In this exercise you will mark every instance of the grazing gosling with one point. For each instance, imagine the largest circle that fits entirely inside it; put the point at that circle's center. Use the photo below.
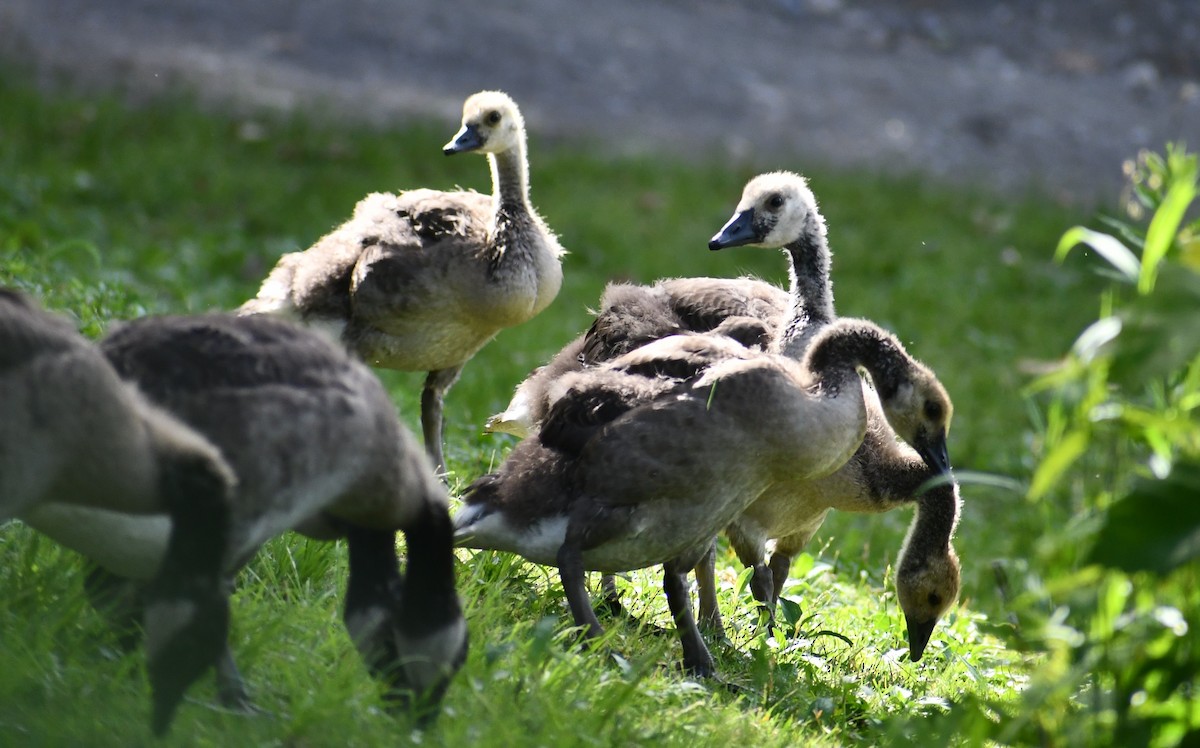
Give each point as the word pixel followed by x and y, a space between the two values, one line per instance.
pixel 316 446
pixel 422 279
pixel 882 474
pixel 778 210
pixel 654 481
pixel 73 433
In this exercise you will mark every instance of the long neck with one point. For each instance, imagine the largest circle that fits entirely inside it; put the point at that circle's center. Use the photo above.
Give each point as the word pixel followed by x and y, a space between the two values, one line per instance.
pixel 510 179
pixel 374 567
pixel 429 593
pixel 513 215
pixel 811 290
pixel 197 499
pixel 933 526
pixel 894 473
pixel 835 357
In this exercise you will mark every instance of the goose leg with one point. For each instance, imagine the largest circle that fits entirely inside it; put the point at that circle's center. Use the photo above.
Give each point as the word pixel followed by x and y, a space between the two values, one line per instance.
pixel 781 564
pixel 570 569
pixel 119 601
pixel 696 657
pixel 762 587
pixel 706 581
pixel 589 525
pixel 231 689
pixel 610 603
pixel 180 656
pixel 369 606
pixel 375 618
pixel 436 385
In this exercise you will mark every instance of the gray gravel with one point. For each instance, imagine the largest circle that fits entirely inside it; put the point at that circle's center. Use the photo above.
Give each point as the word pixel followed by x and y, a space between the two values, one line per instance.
pixel 1016 94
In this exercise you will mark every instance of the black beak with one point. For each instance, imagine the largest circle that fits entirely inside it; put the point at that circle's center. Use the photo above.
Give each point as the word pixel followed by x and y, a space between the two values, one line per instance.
pixel 738 232
pixel 933 451
pixel 467 139
pixel 918 638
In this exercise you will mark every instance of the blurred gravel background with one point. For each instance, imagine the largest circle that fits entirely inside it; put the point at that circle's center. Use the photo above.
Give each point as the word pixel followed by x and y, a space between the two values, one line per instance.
pixel 1013 94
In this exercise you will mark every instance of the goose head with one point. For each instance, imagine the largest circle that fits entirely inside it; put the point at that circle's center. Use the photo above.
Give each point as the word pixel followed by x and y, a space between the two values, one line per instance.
pixel 919 411
pixel 408 628
pixel 427 663
pixel 926 588
pixel 776 210
pixel 491 123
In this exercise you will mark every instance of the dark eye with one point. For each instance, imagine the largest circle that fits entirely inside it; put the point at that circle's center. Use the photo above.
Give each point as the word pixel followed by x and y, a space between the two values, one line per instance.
pixel 933 411
pixel 935 599
pixel 775 202
pixel 493 118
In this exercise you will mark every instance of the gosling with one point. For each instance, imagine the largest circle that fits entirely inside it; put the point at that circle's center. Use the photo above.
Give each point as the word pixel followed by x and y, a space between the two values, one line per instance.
pixel 74 435
pixel 654 481
pixel 423 279
pixel 316 446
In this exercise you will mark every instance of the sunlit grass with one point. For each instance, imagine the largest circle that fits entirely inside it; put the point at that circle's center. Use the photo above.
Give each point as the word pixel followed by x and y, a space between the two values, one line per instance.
pixel 108 213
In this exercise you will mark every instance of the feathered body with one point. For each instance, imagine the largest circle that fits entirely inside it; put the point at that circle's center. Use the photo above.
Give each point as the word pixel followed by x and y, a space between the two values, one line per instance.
pixel 422 279
pixel 316 445
pixel 643 460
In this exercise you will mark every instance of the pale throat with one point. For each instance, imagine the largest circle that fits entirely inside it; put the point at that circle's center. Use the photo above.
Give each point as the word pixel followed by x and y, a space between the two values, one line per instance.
pixel 510 177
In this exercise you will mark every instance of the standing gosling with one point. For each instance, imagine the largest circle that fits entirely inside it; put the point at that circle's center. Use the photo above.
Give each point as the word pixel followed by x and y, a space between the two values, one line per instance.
pixel 422 279
pixel 316 445
pixel 654 483
pixel 785 215
pixel 72 431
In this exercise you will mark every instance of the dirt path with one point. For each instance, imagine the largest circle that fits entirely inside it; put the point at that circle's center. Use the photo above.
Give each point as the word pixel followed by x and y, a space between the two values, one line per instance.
pixel 1049 94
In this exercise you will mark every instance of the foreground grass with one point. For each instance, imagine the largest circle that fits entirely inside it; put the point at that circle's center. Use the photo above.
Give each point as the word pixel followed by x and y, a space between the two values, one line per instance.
pixel 108 213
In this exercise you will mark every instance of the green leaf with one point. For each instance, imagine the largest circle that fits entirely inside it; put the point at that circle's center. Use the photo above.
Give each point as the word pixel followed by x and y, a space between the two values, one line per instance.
pixel 1117 254
pixel 973 478
pixel 1092 341
pixel 1159 334
pixel 1124 232
pixel 1061 457
pixel 1164 227
pixel 743 581
pixel 791 611
pixel 1156 526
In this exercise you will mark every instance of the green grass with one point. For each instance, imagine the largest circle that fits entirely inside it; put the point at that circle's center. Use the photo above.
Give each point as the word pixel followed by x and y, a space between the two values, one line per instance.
pixel 109 212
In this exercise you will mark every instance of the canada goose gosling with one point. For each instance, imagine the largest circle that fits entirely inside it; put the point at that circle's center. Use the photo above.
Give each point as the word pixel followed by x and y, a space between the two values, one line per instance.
pixel 764 217
pixel 493 125
pixel 779 210
pixel 421 280
pixel 73 433
pixel 317 447
pixel 656 480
